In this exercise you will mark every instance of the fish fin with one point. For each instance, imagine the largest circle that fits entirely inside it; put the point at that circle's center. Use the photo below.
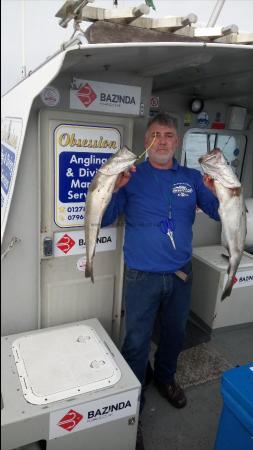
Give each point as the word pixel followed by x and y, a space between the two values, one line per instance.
pixel 235 191
pixel 89 271
pixel 229 270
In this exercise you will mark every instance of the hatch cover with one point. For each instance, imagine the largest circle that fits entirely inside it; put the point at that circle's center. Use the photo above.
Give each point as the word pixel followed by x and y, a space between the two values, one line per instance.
pixel 63 362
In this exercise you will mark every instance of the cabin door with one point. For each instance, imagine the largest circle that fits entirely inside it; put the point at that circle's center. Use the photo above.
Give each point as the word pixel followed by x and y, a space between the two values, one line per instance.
pixel 73 145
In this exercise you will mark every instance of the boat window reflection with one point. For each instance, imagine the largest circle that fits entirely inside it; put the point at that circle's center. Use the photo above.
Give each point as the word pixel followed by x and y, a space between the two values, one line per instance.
pixel 198 143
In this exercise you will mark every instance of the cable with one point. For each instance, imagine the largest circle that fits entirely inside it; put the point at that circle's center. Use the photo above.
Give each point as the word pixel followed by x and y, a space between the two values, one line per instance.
pixel 147 149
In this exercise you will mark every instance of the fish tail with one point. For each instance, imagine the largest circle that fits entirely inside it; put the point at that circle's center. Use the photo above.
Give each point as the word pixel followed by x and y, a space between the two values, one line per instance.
pixel 228 288
pixel 89 271
pixel 232 267
pixel 230 283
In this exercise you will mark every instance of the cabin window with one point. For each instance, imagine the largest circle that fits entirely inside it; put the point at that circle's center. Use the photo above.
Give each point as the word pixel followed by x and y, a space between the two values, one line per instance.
pixel 197 143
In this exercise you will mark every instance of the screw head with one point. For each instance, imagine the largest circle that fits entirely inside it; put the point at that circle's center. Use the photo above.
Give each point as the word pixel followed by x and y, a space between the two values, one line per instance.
pixel 131 421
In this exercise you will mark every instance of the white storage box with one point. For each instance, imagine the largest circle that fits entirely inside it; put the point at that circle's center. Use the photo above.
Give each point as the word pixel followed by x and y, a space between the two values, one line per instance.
pixel 69 386
pixel 209 279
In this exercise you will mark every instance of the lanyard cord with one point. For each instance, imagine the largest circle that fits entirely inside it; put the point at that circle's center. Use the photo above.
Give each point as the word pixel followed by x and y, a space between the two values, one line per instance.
pixel 154 175
pixel 147 149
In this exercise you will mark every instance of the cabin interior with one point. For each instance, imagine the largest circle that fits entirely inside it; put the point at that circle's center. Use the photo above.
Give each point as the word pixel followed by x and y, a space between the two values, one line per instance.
pixel 50 288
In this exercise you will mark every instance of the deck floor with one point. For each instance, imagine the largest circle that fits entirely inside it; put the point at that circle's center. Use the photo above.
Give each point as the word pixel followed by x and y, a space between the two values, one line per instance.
pixel 195 426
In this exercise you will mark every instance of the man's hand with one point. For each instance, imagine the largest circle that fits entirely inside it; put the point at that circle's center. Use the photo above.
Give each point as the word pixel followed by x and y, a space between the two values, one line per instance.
pixel 123 178
pixel 209 183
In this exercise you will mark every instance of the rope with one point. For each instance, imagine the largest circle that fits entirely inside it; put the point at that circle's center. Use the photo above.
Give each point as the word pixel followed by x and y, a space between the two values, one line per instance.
pixel 147 149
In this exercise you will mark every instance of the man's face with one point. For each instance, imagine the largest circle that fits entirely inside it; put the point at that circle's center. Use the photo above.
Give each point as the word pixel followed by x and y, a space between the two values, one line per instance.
pixel 165 141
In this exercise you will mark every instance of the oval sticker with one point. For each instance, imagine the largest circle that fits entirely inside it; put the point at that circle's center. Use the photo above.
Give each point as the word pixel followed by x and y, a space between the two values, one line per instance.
pixel 50 96
pixel 81 263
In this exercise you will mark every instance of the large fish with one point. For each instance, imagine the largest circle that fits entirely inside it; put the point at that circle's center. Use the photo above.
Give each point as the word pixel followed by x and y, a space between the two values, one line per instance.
pixel 98 197
pixel 232 209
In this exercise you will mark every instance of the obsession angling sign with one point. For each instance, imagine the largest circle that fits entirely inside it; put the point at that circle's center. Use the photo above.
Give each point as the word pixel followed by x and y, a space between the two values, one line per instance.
pixel 79 151
pixel 106 97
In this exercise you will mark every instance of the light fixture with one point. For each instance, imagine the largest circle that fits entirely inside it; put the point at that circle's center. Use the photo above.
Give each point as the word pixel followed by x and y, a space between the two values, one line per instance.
pixel 196 105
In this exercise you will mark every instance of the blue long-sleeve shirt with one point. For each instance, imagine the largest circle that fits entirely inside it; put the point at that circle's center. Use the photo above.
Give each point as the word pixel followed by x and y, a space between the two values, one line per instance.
pixel 146 201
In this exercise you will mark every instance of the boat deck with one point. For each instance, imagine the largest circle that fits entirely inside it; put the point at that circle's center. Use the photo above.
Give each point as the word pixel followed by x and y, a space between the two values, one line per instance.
pixel 195 426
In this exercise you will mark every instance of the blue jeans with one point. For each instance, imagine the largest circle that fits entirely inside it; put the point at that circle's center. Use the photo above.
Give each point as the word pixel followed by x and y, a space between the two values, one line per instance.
pixel 144 294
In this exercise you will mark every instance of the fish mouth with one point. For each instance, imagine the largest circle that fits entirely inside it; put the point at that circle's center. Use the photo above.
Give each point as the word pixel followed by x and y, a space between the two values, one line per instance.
pixel 214 154
pixel 204 159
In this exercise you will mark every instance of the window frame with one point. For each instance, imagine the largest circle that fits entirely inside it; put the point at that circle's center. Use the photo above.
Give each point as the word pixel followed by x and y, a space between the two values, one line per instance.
pixel 224 132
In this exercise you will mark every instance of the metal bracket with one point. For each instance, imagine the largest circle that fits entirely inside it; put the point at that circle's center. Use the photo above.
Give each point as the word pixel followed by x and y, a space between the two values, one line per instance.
pixel 71 10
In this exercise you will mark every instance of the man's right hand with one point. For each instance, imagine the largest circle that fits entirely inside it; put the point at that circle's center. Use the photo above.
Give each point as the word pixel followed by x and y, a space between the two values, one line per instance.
pixel 123 178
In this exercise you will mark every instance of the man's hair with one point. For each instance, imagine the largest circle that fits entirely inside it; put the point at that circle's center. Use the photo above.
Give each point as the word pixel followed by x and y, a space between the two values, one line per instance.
pixel 163 119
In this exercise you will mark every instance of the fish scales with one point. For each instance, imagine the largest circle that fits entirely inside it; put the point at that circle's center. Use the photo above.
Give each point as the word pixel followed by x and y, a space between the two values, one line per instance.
pixel 98 197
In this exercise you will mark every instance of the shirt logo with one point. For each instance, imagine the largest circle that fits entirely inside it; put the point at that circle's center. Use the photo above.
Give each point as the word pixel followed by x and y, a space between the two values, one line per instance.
pixel 182 189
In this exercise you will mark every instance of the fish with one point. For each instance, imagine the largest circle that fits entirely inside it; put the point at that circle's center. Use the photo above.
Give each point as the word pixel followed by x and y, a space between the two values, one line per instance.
pixel 98 197
pixel 232 209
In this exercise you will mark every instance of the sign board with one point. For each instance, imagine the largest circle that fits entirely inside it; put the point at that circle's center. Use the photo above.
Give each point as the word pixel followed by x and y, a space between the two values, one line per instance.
pixel 50 96
pixel 93 413
pixel 11 129
pixel 242 279
pixel 73 242
pixel 105 97
pixel 154 102
pixel 79 151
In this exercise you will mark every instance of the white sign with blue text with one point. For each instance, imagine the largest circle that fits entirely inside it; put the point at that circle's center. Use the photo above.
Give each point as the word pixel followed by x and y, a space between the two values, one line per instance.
pixel 11 129
pixel 79 151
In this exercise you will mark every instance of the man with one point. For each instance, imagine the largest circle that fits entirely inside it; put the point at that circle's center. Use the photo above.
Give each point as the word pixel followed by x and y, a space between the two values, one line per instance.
pixel 159 199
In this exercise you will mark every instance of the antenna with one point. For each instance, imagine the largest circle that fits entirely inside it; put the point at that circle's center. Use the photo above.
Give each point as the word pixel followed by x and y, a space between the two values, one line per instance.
pixel 216 12
pixel 23 68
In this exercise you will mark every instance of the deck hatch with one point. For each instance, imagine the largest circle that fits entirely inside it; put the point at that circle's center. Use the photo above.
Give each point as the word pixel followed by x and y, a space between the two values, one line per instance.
pixel 60 363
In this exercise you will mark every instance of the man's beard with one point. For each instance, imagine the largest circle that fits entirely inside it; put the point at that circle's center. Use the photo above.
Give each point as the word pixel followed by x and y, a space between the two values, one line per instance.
pixel 160 158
